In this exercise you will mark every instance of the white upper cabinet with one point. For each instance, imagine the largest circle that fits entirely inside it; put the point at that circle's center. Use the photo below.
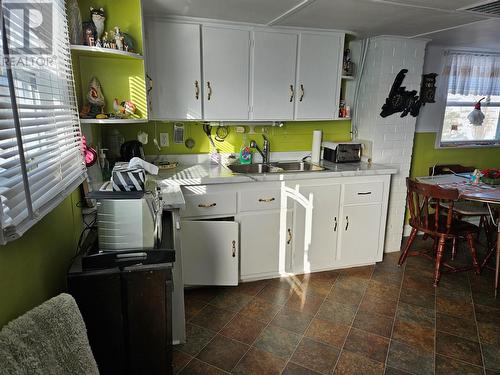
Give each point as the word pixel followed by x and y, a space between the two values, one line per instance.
pixel 174 65
pixel 226 71
pixel 274 68
pixel 318 77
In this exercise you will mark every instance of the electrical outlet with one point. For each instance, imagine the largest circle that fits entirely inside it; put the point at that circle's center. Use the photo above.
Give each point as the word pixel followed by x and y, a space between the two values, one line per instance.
pixel 164 140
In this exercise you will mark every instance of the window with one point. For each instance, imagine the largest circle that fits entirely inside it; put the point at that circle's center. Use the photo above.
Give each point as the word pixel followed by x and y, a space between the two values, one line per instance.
pixel 471 77
pixel 41 161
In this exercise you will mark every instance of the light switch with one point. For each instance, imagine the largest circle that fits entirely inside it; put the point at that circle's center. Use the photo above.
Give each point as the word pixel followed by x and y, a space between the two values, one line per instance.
pixel 164 140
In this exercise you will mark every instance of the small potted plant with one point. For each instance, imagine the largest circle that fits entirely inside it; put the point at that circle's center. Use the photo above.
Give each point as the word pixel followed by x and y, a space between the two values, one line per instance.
pixel 491 176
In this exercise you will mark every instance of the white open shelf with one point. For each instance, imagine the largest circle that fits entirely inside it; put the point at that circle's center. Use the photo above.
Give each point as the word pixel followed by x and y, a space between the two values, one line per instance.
pixel 104 52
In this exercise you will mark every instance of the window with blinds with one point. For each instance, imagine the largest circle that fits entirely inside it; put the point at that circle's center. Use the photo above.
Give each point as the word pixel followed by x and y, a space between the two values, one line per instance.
pixel 41 159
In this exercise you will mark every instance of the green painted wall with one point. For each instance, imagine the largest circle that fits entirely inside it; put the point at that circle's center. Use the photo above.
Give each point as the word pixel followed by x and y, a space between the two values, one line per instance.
pixel 33 268
pixel 425 155
pixel 294 136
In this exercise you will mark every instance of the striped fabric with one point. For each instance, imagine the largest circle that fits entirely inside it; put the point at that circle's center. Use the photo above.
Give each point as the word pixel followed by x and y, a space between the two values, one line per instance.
pixel 125 179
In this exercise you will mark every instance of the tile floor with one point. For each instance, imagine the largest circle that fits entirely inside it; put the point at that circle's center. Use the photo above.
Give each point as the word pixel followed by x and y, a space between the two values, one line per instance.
pixel 367 320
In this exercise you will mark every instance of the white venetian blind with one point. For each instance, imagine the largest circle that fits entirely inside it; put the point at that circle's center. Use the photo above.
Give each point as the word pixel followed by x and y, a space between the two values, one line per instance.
pixel 41 159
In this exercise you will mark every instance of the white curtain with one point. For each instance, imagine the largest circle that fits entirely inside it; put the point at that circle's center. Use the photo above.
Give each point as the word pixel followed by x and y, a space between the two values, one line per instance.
pixel 472 74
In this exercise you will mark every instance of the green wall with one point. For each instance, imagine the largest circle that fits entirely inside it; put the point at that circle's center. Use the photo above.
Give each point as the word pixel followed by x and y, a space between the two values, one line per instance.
pixel 294 136
pixel 33 267
pixel 425 155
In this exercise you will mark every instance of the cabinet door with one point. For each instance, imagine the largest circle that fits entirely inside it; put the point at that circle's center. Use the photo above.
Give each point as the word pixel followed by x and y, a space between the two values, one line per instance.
pixel 226 61
pixel 316 225
pixel 360 232
pixel 174 65
pixel 274 62
pixel 318 84
pixel 265 241
pixel 209 252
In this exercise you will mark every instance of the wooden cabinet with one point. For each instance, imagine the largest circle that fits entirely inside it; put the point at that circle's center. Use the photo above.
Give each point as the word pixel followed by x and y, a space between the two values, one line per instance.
pixel 226 73
pixel 174 66
pixel 210 252
pixel 318 78
pixel 316 225
pixel 274 68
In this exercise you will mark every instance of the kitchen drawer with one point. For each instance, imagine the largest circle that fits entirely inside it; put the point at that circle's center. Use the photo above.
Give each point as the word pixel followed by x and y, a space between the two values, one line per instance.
pixel 369 192
pixel 257 200
pixel 223 203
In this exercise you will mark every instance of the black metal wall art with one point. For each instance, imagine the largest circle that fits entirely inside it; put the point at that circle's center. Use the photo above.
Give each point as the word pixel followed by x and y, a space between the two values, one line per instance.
pixel 401 100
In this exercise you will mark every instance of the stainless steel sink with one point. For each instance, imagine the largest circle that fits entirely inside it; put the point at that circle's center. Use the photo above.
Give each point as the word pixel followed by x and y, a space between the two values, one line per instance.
pixel 276 167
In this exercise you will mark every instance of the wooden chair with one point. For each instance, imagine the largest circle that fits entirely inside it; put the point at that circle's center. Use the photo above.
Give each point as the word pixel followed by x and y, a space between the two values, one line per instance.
pixel 465 208
pixel 437 222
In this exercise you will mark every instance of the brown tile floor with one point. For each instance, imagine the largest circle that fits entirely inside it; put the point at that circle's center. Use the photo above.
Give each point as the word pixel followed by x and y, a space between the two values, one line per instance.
pixel 368 320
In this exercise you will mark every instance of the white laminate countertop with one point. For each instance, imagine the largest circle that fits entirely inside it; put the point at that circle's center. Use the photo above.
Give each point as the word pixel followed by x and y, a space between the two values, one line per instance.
pixel 206 173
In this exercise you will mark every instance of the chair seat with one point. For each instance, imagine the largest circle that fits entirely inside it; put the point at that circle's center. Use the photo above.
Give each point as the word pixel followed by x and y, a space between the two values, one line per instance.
pixel 467 208
pixel 458 227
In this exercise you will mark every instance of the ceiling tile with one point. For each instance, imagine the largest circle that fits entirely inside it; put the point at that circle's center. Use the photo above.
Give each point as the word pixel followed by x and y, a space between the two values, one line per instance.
pixel 371 18
pixel 438 4
pixel 253 11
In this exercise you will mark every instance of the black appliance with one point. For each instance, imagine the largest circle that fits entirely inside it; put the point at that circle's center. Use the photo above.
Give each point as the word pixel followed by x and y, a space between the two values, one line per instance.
pixel 342 152
pixel 131 149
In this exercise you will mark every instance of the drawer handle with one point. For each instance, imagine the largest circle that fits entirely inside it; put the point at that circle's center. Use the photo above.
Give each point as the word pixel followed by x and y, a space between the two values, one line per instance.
pixel 289 236
pixel 234 248
pixel 335 224
pixel 267 199
pixel 347 223
pixel 207 205
pixel 364 193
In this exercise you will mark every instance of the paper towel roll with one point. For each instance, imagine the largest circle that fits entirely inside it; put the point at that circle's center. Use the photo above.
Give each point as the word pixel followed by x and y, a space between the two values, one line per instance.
pixel 316 146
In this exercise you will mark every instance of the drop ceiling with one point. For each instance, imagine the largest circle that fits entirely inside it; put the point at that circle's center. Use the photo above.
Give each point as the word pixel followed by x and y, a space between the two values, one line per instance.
pixel 443 21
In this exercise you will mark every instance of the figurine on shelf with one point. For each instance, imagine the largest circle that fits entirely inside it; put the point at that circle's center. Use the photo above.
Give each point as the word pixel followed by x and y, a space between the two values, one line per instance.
pixel 93 29
pixel 74 22
pixel 105 40
pixel 119 38
pixel 95 98
pixel 348 66
pixel 98 43
pixel 124 109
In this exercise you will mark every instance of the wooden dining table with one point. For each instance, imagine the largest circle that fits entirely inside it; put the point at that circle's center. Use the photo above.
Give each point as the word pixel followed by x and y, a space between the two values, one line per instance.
pixel 488 194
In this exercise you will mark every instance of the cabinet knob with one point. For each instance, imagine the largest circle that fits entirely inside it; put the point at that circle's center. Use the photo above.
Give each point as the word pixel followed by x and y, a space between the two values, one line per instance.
pixel 335 224
pixel 196 90
pixel 234 248
pixel 347 222
pixel 289 236
pixel 301 92
pixel 267 199
pixel 207 205
pixel 209 87
pixel 291 93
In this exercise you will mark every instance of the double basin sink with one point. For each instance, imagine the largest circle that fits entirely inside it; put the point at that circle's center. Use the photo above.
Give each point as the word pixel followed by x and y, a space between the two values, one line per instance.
pixel 275 167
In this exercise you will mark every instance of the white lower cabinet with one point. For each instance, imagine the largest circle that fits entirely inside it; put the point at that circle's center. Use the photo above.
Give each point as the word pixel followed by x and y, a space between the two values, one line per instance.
pixel 359 235
pixel 259 230
pixel 316 225
pixel 210 252
pixel 266 237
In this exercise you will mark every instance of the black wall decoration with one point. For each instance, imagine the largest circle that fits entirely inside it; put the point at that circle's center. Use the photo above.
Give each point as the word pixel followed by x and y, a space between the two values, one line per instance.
pixel 401 100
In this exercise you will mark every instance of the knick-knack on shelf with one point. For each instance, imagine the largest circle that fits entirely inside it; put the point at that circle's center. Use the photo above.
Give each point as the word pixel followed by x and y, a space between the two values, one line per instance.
pixel 95 98
pixel 119 39
pixel 93 29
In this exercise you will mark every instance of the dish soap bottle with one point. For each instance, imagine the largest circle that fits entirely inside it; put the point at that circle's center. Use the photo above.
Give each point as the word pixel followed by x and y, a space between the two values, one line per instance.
pixel 245 153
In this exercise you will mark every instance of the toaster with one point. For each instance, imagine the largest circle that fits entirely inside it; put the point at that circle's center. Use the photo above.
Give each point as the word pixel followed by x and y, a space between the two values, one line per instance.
pixel 342 152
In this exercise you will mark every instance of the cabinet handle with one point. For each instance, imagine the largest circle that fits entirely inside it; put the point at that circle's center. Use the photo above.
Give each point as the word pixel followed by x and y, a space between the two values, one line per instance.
pixel 196 90
pixel 267 199
pixel 234 248
pixel 301 92
pixel 365 193
pixel 335 224
pixel 289 236
pixel 207 205
pixel 209 90
pixel 347 222
pixel 291 93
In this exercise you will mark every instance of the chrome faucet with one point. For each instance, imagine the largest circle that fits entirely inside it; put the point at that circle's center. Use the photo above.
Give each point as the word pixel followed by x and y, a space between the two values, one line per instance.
pixel 266 149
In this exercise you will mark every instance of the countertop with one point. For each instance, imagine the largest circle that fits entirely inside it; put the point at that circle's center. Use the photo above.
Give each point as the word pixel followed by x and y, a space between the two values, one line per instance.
pixel 206 173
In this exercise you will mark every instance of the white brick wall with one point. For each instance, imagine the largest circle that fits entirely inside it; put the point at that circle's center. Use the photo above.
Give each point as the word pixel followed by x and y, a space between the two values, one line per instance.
pixel 391 137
